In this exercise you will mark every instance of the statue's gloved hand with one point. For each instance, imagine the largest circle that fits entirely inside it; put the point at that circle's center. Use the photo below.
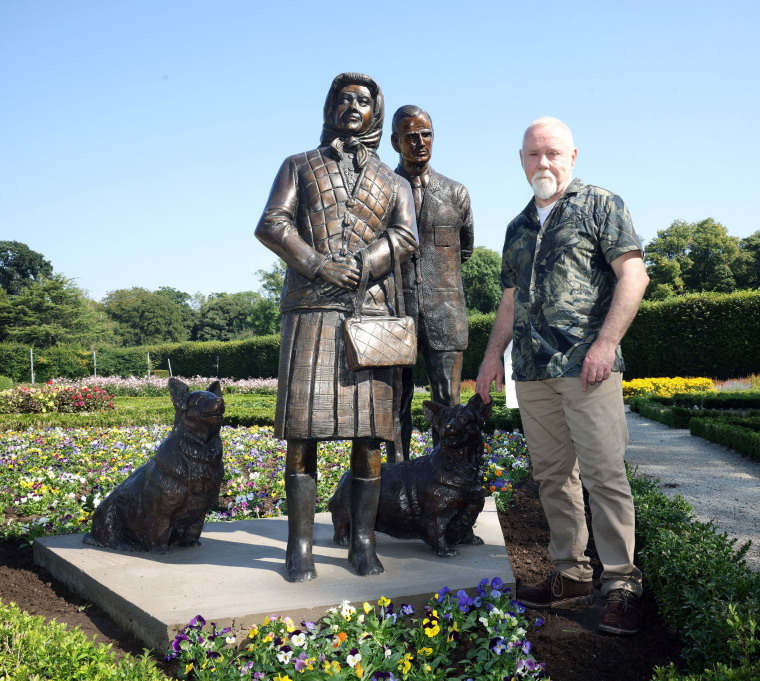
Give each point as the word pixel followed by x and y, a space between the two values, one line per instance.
pixel 342 272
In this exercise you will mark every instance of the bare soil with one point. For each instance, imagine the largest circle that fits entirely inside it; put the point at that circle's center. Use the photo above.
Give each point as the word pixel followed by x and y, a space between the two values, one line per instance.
pixel 568 642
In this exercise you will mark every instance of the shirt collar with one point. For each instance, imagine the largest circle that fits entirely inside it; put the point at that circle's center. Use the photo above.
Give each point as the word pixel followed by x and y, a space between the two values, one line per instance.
pixel 573 188
pixel 425 177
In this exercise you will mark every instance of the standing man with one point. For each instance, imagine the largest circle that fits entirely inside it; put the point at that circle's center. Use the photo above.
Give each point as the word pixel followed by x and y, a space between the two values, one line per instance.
pixel 433 292
pixel 573 279
pixel 334 213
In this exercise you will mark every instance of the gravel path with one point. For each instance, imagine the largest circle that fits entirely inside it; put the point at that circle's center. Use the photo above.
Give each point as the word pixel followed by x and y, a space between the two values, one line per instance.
pixel 720 484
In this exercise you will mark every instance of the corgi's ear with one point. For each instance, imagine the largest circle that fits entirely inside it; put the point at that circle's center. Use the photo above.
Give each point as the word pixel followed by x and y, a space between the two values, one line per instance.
pixel 177 391
pixel 482 409
pixel 432 413
pixel 216 388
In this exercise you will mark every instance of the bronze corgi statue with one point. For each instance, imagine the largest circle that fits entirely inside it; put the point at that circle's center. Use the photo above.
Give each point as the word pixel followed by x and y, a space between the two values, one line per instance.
pixel 436 498
pixel 165 501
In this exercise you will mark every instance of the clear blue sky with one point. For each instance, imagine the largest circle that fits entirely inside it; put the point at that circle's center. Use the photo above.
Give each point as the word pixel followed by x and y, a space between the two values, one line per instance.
pixel 139 139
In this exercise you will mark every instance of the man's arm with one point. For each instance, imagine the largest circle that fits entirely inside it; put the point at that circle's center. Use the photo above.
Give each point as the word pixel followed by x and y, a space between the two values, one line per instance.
pixel 632 280
pixel 491 368
pixel 467 232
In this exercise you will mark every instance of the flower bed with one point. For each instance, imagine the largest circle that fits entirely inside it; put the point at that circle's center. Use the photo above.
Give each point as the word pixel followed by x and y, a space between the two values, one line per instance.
pixel 153 386
pixel 665 387
pixel 458 637
pixel 54 398
pixel 54 477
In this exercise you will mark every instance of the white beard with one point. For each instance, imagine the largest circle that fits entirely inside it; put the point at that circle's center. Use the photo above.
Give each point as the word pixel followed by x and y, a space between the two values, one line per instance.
pixel 544 185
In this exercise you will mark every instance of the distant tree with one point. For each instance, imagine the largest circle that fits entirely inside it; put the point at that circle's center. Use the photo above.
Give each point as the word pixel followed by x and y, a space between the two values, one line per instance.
pixel 268 319
pixel 481 280
pixel 692 256
pixel 144 317
pixel 51 311
pixel 272 280
pixel 747 271
pixel 229 316
pixel 190 315
pixel 20 266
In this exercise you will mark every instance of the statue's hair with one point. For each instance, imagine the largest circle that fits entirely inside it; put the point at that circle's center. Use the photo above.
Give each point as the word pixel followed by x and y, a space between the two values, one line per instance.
pixel 370 137
pixel 409 111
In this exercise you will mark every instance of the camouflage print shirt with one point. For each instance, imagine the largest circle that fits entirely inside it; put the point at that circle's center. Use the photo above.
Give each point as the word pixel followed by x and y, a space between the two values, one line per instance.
pixel 563 279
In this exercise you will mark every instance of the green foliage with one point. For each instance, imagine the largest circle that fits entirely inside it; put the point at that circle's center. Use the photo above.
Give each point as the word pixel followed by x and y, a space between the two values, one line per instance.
pixel 700 580
pixel 32 650
pixel 48 312
pixel 689 257
pixel 20 266
pixel 733 422
pixel 5 383
pixel 481 280
pixel 480 329
pixel 375 641
pixel 747 269
pixel 741 438
pixel 701 334
pixel 254 357
pixel 240 410
pixel 190 315
pixel 144 316
pixel 225 317
pixel 720 672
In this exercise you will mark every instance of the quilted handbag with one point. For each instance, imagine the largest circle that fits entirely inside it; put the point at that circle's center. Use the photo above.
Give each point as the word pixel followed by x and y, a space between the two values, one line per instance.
pixel 380 341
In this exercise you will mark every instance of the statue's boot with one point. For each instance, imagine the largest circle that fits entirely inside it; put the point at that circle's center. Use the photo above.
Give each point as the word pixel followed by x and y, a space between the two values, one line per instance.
pixel 365 494
pixel 300 494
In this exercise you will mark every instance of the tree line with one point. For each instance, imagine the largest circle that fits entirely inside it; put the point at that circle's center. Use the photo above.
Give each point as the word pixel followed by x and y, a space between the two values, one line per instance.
pixel 43 308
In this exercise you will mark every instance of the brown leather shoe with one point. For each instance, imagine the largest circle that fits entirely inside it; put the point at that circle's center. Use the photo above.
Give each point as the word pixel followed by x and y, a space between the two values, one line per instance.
pixel 621 614
pixel 555 589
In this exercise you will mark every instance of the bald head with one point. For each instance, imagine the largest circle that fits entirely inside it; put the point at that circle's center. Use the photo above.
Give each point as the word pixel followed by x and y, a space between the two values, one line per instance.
pixel 548 157
pixel 558 128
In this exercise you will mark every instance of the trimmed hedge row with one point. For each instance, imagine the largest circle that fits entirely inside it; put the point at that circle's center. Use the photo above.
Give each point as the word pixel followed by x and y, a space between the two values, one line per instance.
pixel 251 358
pixel 739 430
pixel 253 409
pixel 702 334
pixel 728 433
pixel 702 585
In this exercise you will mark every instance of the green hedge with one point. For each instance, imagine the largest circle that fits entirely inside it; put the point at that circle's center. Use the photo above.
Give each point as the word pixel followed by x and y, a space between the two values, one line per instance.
pixel 735 425
pixel 701 334
pixel 252 409
pixel 252 358
pixel 255 409
pixel 702 585
pixel 730 434
pixel 705 334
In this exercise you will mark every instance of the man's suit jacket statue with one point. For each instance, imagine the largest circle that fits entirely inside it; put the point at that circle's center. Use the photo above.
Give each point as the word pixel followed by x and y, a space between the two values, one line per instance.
pixel 432 278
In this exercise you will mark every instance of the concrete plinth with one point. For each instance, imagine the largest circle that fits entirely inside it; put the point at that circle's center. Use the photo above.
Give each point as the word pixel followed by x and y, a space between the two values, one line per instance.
pixel 236 577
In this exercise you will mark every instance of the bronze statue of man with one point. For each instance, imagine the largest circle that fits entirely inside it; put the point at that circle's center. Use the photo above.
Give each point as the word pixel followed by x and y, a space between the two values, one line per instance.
pixel 432 277
pixel 332 212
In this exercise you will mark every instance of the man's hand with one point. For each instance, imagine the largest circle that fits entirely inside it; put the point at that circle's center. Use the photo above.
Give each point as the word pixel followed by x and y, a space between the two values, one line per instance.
pixel 598 363
pixel 491 370
pixel 345 274
pixel 632 280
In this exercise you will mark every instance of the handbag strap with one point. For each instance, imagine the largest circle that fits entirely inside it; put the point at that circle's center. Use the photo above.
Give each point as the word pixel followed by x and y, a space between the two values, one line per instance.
pixel 396 267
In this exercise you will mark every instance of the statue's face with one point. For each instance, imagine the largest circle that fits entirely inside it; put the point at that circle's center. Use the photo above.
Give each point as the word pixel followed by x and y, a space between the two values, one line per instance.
pixel 414 139
pixel 353 109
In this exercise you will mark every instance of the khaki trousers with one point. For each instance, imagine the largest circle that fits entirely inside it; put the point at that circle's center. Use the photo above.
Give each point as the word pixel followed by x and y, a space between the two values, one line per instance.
pixel 571 436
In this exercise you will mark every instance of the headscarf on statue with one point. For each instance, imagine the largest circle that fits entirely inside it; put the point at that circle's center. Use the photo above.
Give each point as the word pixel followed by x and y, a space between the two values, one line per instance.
pixel 365 143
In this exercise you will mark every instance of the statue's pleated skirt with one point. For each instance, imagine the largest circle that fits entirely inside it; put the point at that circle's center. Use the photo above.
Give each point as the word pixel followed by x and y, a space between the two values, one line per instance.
pixel 318 396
